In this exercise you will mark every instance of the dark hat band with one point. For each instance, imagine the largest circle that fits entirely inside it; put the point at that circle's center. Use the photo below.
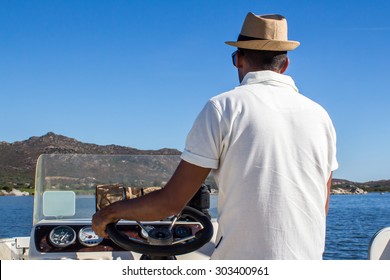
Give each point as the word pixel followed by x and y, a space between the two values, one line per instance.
pixel 247 38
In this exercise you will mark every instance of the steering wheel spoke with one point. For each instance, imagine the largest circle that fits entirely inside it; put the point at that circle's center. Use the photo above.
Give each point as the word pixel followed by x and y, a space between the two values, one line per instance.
pixel 184 239
pixel 137 240
pixel 173 222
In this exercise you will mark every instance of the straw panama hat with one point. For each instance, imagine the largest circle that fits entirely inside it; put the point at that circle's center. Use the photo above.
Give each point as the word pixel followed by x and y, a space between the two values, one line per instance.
pixel 264 32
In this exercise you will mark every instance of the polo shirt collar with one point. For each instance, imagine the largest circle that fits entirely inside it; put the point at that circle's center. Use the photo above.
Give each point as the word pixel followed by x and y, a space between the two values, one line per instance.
pixel 267 76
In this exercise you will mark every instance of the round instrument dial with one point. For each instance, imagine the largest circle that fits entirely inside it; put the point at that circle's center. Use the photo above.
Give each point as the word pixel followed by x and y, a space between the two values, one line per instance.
pixel 62 236
pixel 88 237
pixel 183 231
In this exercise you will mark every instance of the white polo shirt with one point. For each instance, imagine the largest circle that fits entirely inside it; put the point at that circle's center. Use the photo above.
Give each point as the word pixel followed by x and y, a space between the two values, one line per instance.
pixel 272 151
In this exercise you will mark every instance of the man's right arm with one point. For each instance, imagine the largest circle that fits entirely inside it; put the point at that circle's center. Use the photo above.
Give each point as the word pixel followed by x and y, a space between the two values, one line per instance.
pixel 157 205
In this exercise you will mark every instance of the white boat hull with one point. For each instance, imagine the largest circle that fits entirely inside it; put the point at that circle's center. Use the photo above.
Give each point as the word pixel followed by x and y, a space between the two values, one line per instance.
pixel 15 248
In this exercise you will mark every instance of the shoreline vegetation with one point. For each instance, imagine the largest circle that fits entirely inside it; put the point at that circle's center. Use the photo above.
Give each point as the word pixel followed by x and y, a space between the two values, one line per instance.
pixel 335 190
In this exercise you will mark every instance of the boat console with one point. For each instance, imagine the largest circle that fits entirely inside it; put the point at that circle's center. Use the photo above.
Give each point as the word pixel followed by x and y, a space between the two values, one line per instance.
pixel 71 188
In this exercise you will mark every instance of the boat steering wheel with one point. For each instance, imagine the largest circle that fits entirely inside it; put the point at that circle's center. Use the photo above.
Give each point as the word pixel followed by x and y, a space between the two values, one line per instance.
pixel 160 242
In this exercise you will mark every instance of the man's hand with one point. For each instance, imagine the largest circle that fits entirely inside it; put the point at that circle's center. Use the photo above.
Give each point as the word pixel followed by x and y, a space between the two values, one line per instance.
pixel 100 220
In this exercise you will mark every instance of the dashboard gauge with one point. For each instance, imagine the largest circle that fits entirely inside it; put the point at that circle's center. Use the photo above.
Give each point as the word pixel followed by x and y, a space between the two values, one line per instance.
pixel 182 231
pixel 88 237
pixel 62 236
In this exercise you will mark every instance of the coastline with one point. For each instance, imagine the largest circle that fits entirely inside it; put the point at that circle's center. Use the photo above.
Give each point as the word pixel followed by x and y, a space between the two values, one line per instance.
pixel 14 192
pixel 334 191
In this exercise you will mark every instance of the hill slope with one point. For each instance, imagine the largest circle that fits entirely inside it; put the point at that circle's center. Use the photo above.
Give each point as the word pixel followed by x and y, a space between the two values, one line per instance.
pixel 18 159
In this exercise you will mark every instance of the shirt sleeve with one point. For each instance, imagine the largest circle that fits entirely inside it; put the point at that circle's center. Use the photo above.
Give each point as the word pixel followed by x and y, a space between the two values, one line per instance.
pixel 203 144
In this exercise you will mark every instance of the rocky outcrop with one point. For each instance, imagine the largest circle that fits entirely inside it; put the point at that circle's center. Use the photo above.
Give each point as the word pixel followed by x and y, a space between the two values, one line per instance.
pixel 14 192
pixel 350 189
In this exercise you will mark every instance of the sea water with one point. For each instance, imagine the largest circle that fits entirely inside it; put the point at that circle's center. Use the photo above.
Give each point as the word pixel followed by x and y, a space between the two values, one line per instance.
pixel 352 221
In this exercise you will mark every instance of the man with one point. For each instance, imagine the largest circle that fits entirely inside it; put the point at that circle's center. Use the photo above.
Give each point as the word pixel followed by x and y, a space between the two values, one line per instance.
pixel 272 152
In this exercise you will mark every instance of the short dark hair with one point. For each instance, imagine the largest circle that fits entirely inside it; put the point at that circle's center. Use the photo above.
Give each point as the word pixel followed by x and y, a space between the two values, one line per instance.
pixel 265 60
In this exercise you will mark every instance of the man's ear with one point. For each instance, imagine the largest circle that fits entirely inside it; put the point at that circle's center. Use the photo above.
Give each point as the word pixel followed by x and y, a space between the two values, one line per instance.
pixel 239 60
pixel 285 66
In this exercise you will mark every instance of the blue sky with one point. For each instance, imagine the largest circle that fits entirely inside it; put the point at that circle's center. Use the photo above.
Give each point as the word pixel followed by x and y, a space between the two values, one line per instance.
pixel 137 73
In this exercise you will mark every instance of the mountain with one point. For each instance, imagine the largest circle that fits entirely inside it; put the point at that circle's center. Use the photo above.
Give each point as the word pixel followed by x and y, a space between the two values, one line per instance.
pixel 18 159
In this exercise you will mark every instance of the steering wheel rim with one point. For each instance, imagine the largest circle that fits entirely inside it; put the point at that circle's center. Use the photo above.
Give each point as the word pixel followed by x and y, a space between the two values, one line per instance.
pixel 201 238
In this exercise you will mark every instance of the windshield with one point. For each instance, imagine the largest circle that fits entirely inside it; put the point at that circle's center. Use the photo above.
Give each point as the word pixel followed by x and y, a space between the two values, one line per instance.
pixel 65 185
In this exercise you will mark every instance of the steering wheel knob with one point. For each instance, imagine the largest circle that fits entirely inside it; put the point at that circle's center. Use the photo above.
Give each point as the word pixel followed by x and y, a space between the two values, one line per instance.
pixel 160 236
